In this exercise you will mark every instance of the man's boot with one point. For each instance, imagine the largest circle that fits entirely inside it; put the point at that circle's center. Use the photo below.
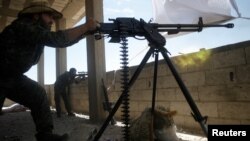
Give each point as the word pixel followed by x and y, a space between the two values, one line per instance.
pixel 51 137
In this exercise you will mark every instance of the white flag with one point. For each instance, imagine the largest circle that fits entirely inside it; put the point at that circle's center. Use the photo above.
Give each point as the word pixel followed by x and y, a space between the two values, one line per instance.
pixel 189 11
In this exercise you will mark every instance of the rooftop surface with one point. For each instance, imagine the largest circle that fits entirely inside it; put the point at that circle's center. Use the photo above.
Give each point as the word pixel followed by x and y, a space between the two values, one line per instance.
pixel 19 125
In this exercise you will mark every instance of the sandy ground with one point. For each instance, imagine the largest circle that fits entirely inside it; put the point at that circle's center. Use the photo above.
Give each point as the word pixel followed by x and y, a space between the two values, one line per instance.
pixel 19 126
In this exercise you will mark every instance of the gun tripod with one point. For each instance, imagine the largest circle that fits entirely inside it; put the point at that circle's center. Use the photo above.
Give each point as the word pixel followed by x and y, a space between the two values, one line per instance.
pixel 156 50
pixel 129 27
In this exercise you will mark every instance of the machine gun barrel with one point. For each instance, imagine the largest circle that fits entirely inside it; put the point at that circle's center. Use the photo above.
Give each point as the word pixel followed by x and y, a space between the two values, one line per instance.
pixel 175 28
pixel 191 25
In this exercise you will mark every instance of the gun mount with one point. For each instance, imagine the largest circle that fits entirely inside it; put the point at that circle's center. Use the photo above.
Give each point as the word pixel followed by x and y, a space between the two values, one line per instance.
pixel 119 30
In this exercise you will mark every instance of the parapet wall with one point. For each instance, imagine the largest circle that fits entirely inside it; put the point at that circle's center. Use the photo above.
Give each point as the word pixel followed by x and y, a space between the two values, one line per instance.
pixel 217 79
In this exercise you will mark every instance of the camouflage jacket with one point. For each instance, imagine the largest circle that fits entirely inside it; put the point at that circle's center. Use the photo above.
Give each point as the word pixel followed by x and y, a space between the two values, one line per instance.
pixel 22 43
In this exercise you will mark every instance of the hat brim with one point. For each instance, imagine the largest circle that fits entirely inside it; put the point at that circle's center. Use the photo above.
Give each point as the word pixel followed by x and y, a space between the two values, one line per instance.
pixel 41 9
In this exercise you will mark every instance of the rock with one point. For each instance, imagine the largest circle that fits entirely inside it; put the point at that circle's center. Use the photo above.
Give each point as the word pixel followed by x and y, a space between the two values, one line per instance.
pixel 162 129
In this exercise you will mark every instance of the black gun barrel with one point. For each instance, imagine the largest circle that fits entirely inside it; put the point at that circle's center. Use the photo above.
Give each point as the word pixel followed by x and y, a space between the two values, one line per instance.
pixel 229 25
pixel 187 27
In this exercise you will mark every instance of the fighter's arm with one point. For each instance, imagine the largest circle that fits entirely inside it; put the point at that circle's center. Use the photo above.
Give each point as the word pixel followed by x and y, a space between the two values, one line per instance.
pixel 71 36
pixel 81 30
pixel 59 39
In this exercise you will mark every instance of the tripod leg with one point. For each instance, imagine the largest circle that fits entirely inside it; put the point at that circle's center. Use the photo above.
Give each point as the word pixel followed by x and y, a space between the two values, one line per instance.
pixel 119 101
pixel 155 79
pixel 196 113
pixel 154 94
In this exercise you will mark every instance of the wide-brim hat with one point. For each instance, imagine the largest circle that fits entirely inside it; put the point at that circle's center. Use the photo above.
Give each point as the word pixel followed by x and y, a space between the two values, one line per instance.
pixel 40 6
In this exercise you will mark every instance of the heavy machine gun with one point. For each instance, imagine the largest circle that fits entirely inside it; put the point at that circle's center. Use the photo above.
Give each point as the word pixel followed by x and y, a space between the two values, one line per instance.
pixel 118 31
pixel 134 27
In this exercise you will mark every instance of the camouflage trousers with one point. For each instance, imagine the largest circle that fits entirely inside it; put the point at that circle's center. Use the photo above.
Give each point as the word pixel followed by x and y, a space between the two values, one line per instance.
pixel 31 95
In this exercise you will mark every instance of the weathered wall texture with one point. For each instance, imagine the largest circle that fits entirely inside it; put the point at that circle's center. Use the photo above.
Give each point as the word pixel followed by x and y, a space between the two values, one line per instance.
pixel 218 80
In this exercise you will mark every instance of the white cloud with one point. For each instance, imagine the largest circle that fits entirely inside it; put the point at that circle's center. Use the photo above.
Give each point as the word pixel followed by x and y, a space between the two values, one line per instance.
pixel 122 12
pixel 120 2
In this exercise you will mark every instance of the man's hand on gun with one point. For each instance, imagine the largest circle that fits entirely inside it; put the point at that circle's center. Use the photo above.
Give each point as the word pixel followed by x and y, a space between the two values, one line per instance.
pixel 92 25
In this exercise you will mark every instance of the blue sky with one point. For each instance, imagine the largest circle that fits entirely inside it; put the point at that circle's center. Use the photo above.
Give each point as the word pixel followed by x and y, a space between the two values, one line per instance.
pixel 208 38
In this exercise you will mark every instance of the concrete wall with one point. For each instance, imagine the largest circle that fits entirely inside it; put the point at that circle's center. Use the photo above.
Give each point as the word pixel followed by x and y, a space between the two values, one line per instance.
pixel 218 80
pixel 78 96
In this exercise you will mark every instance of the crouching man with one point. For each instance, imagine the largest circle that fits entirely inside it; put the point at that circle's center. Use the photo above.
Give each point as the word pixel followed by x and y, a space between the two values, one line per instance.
pixel 21 45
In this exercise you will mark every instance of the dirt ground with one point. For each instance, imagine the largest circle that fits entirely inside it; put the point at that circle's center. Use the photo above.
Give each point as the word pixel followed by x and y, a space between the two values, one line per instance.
pixel 18 126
